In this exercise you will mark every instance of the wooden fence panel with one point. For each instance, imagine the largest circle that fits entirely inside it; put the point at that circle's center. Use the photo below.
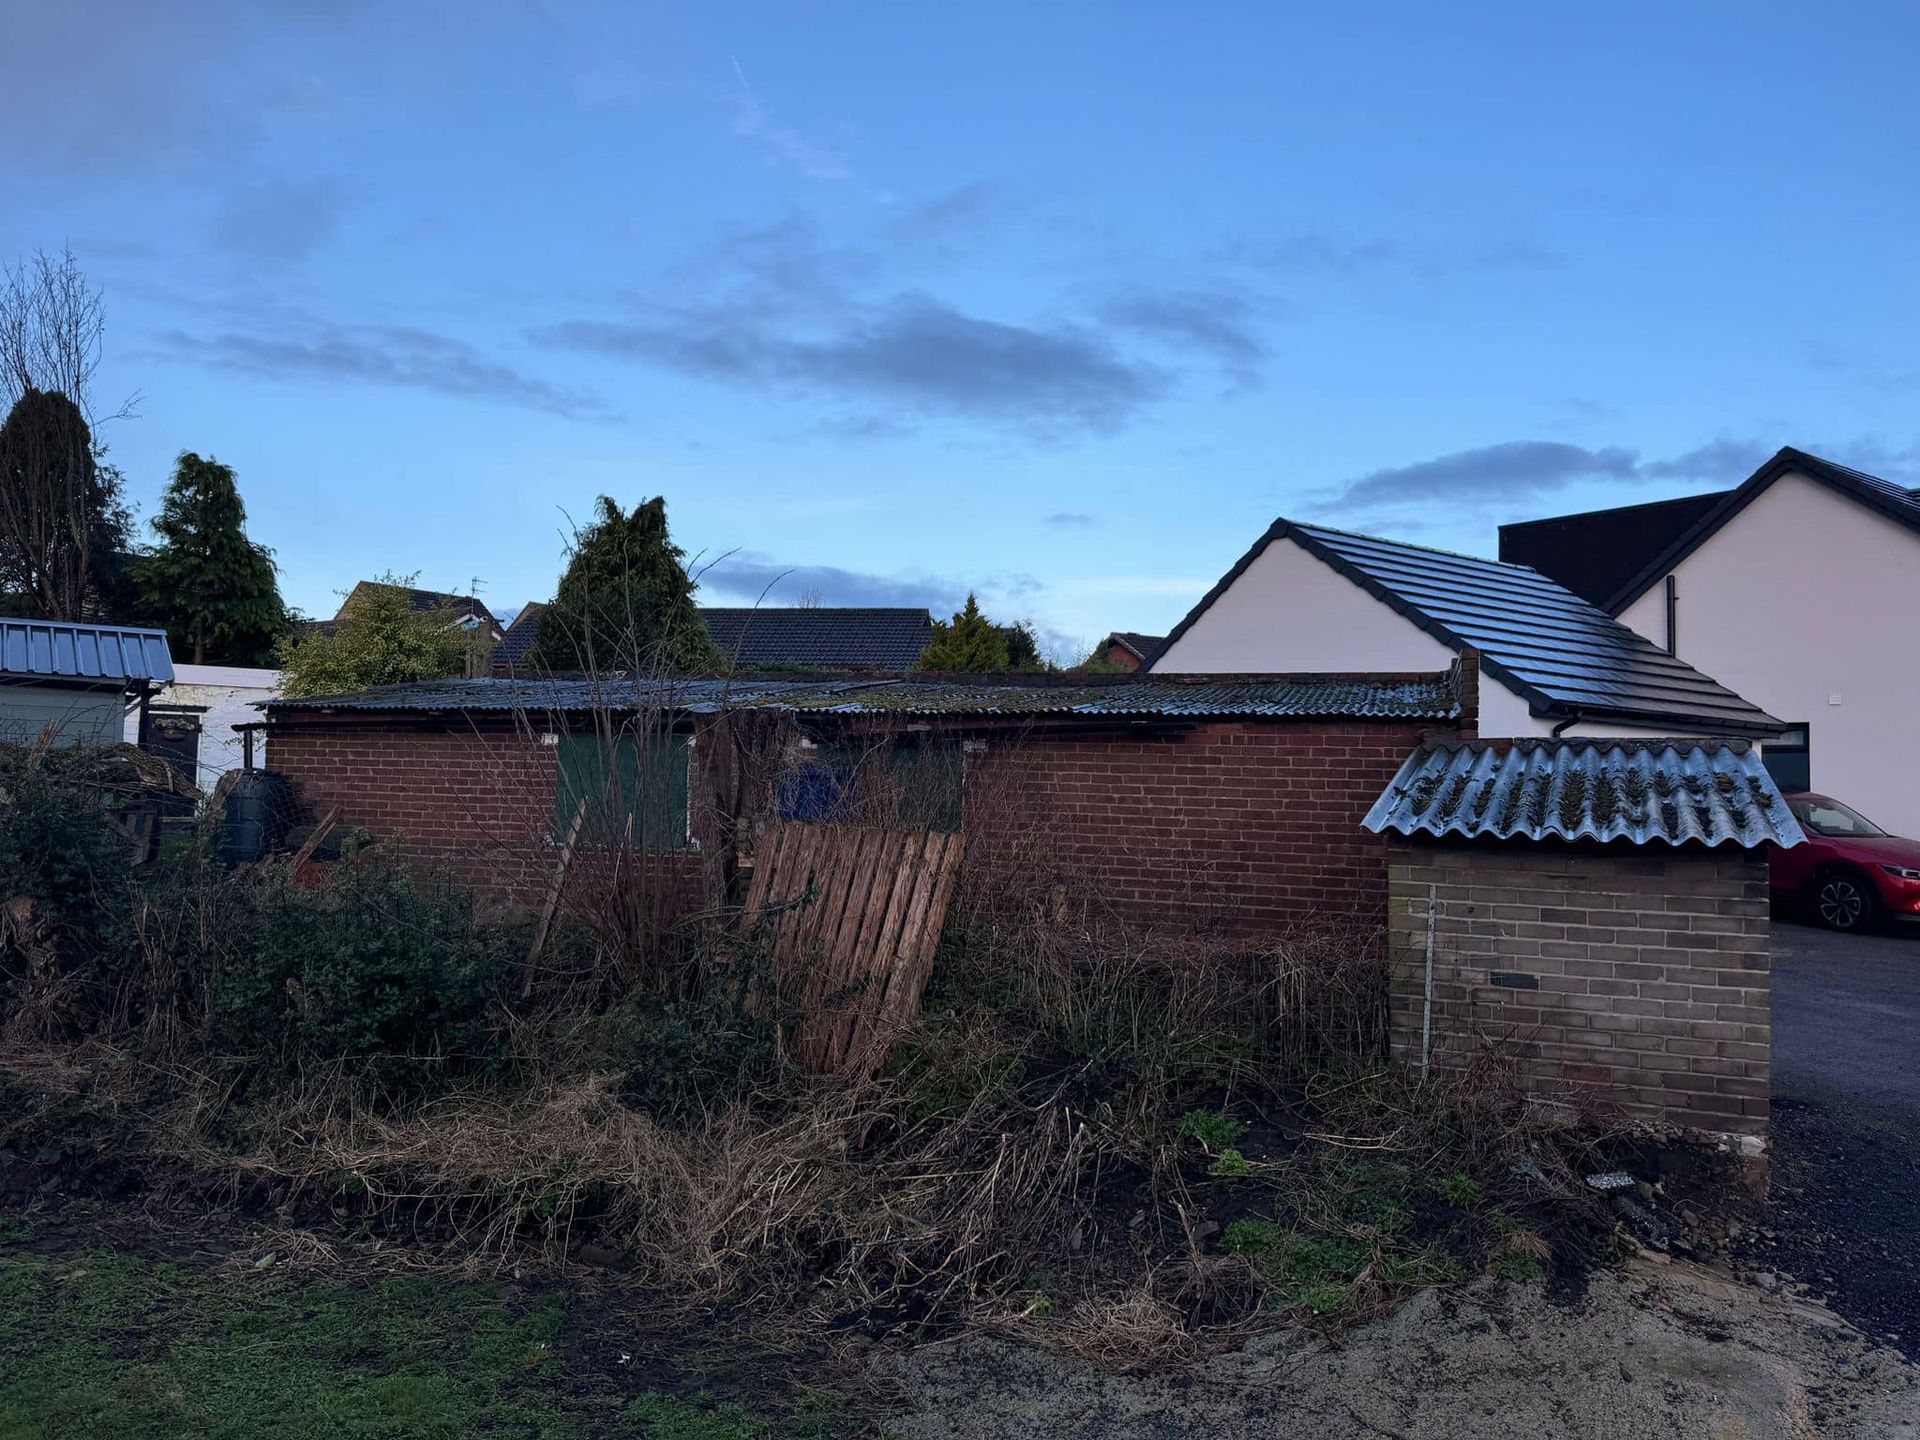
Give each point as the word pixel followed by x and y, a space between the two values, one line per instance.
pixel 856 917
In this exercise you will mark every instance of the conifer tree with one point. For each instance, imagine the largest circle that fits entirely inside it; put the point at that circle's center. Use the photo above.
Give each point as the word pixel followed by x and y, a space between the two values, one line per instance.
pixel 625 602
pixel 967 644
pixel 211 587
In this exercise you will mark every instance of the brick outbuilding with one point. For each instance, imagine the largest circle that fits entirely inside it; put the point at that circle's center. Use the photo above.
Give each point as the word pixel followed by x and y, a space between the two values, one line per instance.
pixel 1234 805
pixel 1595 912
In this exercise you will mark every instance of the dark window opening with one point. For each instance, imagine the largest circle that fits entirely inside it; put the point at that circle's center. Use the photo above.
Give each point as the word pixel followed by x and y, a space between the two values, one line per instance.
pixel 911 784
pixel 634 788
pixel 1789 760
pixel 174 736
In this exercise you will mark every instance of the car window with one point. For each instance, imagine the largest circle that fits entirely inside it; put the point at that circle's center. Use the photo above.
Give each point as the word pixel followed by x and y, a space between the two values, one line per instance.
pixel 1829 817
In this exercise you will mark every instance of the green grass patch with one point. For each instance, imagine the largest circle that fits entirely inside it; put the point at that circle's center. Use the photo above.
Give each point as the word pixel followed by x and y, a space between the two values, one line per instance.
pixel 101 1343
pixel 1214 1129
pixel 1459 1190
pixel 1315 1272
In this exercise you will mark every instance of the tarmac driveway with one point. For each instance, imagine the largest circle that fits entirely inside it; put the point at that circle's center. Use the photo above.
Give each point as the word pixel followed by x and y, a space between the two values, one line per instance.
pixel 1846 1124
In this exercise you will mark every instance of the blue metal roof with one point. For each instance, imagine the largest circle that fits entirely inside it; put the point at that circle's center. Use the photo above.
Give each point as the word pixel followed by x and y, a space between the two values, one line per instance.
pixel 1662 792
pixel 1304 697
pixel 1564 655
pixel 63 650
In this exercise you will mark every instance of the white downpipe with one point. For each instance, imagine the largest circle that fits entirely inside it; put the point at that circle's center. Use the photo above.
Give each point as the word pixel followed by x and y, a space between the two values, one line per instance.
pixel 1426 1015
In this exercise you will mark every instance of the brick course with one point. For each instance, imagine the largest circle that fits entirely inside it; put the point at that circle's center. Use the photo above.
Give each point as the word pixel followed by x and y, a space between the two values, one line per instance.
pixel 478 797
pixel 1640 978
pixel 1244 824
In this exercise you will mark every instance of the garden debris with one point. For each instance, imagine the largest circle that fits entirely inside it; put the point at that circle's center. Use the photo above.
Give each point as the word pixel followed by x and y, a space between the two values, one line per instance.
pixel 857 914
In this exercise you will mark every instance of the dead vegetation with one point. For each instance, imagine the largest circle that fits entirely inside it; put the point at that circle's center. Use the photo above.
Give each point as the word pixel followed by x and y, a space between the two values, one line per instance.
pixel 1131 1142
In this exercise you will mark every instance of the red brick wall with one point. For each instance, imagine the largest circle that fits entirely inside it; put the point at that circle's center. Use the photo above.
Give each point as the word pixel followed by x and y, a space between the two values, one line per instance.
pixel 479 797
pixel 1638 976
pixel 1244 824
pixel 1238 824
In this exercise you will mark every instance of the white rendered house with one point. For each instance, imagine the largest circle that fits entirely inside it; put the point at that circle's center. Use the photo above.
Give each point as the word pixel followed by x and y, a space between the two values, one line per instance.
pixel 1308 599
pixel 191 720
pixel 1800 589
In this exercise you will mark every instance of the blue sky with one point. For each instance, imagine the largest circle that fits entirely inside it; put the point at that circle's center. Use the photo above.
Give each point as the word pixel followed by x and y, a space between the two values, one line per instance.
pixel 1061 302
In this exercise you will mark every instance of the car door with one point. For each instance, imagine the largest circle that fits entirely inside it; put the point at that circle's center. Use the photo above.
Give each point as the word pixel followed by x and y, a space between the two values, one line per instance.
pixel 1792 868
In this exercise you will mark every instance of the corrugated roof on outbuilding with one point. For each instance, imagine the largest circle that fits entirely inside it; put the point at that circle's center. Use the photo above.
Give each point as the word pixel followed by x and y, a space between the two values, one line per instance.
pixel 1296 697
pixel 1656 792
pixel 59 650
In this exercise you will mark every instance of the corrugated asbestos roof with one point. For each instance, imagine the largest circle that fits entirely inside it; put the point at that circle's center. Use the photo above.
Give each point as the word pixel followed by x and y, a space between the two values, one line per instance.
pixel 1562 654
pixel 1306 697
pixel 1660 793
pixel 62 650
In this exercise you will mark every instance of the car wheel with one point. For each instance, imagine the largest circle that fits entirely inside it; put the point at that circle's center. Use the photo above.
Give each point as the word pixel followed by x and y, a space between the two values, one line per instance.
pixel 1845 901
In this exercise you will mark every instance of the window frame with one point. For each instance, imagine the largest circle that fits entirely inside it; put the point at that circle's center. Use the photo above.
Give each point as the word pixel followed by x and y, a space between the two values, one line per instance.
pixel 607 836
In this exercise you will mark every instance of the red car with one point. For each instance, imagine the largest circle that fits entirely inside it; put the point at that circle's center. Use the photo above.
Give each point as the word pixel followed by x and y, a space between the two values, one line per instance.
pixel 1851 872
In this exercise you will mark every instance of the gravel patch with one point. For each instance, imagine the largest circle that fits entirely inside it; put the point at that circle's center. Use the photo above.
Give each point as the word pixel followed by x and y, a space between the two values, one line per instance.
pixel 1654 1352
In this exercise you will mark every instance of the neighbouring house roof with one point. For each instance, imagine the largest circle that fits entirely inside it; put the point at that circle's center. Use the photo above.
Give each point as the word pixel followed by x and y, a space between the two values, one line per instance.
pixel 456 607
pixel 1563 655
pixel 1134 643
pixel 73 652
pixel 1661 792
pixel 515 645
pixel 827 637
pixel 422 600
pixel 1595 553
pixel 871 637
pixel 1429 697
pixel 1895 502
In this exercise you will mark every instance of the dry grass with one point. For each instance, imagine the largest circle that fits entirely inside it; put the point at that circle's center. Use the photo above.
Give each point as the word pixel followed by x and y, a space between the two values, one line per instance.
pixel 1027 1127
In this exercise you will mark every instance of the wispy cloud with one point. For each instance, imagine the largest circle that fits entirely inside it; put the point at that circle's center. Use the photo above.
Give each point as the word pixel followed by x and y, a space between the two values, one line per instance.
pixel 278 221
pixel 1317 252
pixel 781 307
pixel 948 218
pixel 1216 323
pixel 1489 472
pixel 783 268
pixel 784 145
pixel 391 355
pixel 1521 470
pixel 913 351
pixel 1899 463
pixel 752 577
pixel 1726 461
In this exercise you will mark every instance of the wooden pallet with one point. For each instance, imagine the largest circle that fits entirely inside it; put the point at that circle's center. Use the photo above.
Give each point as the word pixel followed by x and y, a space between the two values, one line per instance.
pixel 855 916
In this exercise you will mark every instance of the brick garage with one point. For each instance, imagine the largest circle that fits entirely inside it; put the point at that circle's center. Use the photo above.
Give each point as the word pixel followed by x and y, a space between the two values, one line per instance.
pixel 1597 913
pixel 1234 805
pixel 1238 826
